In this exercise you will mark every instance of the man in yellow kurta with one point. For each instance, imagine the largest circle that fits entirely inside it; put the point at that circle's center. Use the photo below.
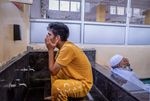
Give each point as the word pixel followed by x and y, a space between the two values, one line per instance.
pixel 71 70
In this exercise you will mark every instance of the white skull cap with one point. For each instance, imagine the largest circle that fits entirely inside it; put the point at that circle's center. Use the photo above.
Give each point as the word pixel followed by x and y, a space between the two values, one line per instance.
pixel 115 60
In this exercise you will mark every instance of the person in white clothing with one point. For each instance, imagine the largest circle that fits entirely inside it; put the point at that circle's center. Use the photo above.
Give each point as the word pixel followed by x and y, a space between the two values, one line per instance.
pixel 120 65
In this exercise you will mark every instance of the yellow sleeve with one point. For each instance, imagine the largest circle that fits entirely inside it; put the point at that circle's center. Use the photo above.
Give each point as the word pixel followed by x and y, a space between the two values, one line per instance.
pixel 66 55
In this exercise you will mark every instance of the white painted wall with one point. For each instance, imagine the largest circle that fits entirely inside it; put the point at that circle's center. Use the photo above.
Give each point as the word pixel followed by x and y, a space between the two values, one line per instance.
pixel 9 15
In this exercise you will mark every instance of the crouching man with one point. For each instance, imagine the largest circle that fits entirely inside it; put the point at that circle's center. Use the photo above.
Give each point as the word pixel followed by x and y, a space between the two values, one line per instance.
pixel 71 72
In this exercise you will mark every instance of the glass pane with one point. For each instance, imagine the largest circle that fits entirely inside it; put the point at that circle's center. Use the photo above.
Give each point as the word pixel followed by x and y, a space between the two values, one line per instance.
pixel 53 5
pixel 64 5
pixel 136 12
pixel 120 10
pixel 56 9
pixel 75 6
pixel 111 11
pixel 140 12
pixel 39 31
pixel 68 10
pixel 95 34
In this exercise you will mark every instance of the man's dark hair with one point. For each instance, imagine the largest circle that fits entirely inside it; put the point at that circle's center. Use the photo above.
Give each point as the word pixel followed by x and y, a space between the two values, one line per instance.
pixel 60 29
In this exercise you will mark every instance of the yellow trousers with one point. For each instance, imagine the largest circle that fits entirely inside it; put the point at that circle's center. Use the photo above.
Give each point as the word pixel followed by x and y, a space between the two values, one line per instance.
pixel 62 88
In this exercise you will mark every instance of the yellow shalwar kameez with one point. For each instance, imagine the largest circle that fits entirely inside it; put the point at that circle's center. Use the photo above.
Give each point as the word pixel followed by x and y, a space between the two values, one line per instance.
pixel 75 79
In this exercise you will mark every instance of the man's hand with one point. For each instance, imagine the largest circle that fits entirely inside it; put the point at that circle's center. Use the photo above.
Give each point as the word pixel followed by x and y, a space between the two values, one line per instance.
pixel 49 44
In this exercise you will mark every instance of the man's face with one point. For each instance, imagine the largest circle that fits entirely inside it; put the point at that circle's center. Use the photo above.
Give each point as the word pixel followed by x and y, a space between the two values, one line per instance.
pixel 124 62
pixel 52 36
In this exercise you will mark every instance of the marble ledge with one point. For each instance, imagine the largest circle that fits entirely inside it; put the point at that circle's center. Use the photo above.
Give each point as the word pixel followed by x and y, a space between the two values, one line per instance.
pixel 126 86
pixel 32 49
pixel 6 64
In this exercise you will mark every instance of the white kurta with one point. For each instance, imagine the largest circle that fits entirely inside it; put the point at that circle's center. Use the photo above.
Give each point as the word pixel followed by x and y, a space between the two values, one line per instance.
pixel 131 77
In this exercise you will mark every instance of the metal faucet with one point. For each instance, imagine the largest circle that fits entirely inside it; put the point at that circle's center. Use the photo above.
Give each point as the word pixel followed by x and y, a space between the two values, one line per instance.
pixel 2 80
pixel 16 84
pixel 25 69
pixel 31 69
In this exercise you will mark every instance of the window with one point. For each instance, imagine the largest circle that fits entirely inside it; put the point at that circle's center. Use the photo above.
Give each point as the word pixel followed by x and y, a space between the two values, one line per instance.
pixel 136 12
pixel 64 5
pixel 75 6
pixel 72 6
pixel 64 9
pixel 54 5
pixel 120 10
pixel 113 10
pixel 140 12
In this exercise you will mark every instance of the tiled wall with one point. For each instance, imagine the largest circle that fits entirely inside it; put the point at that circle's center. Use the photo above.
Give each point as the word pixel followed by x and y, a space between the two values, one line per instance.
pixel 113 86
pixel 110 90
pixel 8 77
pixel 17 69
pixel 104 87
